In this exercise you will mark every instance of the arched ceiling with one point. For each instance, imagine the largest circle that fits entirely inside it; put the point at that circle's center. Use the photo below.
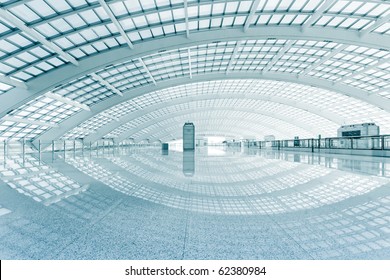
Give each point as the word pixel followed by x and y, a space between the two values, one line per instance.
pixel 66 66
pixel 261 122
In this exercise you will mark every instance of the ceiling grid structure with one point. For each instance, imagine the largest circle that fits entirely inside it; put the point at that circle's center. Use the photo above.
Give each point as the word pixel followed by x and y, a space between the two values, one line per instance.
pixel 65 65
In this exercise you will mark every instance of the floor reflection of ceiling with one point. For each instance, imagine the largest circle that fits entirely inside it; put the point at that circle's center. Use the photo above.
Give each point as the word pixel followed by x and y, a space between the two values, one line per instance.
pixel 234 184
pixel 4 211
pixel 37 180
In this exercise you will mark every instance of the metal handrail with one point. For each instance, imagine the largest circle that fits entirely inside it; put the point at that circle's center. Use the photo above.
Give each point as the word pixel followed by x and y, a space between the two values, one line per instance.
pixel 374 142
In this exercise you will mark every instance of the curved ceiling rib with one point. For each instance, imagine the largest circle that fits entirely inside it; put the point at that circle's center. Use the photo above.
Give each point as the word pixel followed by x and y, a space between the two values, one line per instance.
pixel 244 129
pixel 308 129
pixel 192 114
pixel 82 116
pixel 173 132
pixel 273 99
pixel 226 132
pixel 203 125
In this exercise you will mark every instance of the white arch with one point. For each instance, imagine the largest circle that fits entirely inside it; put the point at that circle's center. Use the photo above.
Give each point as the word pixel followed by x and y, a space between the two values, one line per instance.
pixel 84 115
pixel 128 133
pixel 307 107
pixel 176 132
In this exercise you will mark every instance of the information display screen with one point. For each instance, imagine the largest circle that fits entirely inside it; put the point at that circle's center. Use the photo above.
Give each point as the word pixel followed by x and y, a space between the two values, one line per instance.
pixel 351 133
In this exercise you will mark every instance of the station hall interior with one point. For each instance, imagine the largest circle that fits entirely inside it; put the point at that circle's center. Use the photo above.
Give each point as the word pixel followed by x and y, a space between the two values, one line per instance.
pixel 213 129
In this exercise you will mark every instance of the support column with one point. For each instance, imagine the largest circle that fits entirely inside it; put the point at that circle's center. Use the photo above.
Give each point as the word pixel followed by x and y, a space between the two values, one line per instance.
pixel 23 150
pixel 52 151
pixel 39 151
pixel 5 152
pixel 312 145
pixel 382 142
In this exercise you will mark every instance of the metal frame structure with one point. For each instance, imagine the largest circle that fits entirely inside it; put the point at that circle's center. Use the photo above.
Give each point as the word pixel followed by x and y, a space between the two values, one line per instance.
pixel 250 109
pixel 258 127
pixel 80 54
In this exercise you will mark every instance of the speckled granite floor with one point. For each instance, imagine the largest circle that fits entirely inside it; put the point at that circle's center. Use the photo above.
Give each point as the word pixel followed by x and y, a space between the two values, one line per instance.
pixel 140 204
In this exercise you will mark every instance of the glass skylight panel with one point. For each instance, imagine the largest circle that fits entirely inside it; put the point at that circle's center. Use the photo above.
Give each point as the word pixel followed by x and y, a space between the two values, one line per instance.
pixel 360 24
pixel 383 29
pixel 288 19
pixel 347 23
pixel 91 17
pixel 59 6
pixel 352 7
pixel 153 18
pixel 275 19
pixel 75 21
pixel 139 21
pixel 47 30
pixel 61 25
pixel 379 10
pixel 24 13
pixel 324 20
pixel 16 131
pixel 4 29
pixel 119 8
pixel 7 47
pixel 41 109
pixel 20 40
pixel 148 4
pixel 366 8
pixel 312 5
pixel 41 8
pixel 4 88
pixel 336 21
pixel 338 6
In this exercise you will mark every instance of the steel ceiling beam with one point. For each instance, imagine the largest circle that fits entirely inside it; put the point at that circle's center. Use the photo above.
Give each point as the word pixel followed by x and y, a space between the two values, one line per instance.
pixel 113 118
pixel 280 53
pixel 252 12
pixel 375 25
pixel 36 36
pixel 189 62
pixel 114 20
pixel 233 57
pixel 67 101
pixel 106 84
pixel 186 18
pixel 317 14
pixel 147 70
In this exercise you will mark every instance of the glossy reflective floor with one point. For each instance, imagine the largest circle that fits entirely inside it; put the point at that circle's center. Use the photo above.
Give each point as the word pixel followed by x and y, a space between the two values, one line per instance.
pixel 214 203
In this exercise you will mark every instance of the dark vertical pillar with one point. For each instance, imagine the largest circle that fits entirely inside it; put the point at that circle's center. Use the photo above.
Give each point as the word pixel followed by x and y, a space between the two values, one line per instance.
pixel 188 136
